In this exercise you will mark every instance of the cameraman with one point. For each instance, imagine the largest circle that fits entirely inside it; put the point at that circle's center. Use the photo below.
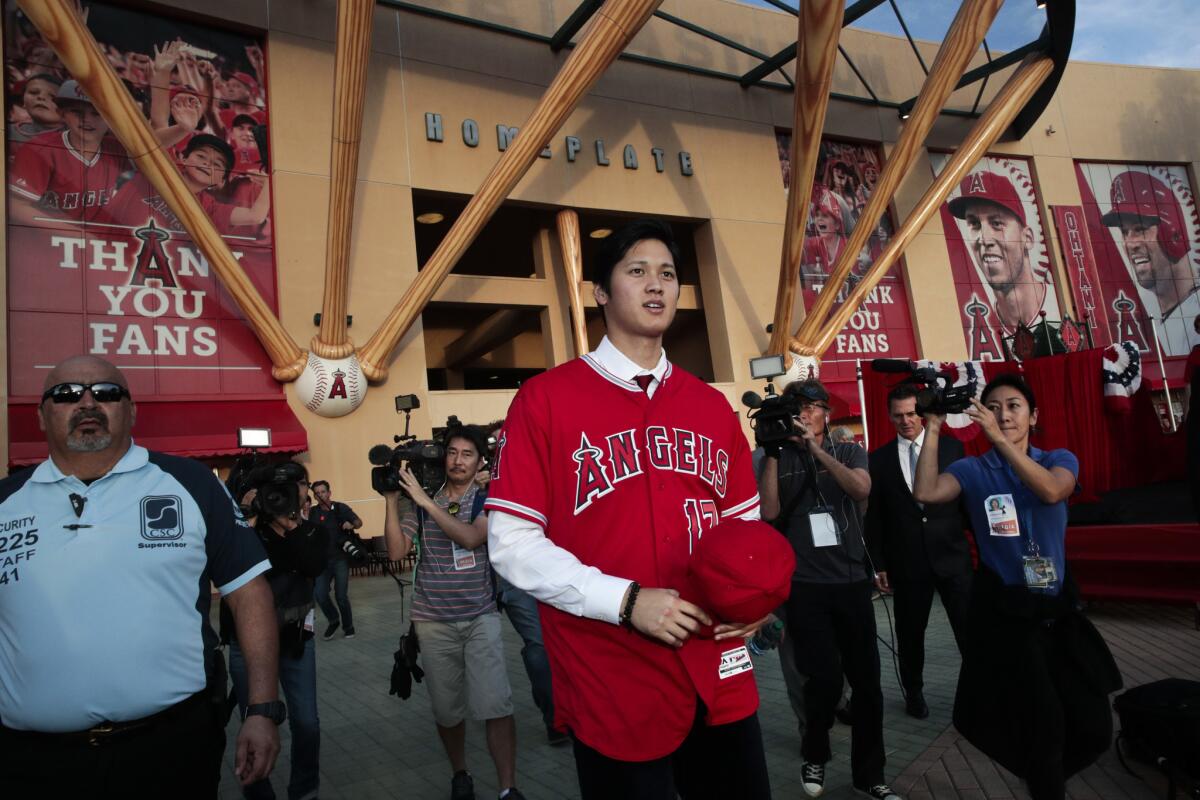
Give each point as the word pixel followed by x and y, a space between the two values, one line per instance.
pixel 339 522
pixel 454 610
pixel 296 547
pixel 811 489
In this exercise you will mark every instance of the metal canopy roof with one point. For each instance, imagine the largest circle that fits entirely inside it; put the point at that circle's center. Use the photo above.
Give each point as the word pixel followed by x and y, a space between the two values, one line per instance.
pixel 1054 40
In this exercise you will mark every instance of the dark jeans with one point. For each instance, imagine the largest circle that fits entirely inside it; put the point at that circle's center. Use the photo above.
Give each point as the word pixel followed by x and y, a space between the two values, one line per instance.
pixel 833 628
pixel 913 599
pixel 719 762
pixel 339 570
pixel 298 677
pixel 179 757
pixel 522 610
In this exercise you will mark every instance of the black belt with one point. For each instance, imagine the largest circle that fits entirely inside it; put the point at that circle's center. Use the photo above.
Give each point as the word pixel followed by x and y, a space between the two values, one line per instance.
pixel 107 732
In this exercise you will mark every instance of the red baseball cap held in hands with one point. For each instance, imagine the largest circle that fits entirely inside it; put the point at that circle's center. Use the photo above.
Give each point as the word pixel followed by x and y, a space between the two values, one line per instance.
pixel 742 570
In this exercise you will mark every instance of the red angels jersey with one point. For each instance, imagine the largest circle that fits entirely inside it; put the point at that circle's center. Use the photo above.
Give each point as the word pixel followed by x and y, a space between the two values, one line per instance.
pixel 49 172
pixel 628 483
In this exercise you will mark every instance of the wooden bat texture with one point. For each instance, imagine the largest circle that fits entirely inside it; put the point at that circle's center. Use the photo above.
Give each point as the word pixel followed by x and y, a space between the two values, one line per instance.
pixel 571 242
pixel 613 26
pixel 819 27
pixel 1000 113
pixel 962 40
pixel 75 46
pixel 354 23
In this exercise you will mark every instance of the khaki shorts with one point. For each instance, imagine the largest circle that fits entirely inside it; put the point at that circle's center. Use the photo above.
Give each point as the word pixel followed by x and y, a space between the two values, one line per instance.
pixel 464 669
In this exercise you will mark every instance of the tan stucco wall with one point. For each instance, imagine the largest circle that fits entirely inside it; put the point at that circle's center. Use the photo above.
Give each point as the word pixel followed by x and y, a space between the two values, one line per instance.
pixel 426 65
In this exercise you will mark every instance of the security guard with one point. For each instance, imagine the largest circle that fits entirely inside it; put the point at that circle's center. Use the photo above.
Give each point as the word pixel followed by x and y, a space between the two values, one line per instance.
pixel 107 552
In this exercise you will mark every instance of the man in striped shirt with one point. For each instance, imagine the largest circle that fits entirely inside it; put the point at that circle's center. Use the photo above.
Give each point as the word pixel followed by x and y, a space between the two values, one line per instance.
pixel 454 609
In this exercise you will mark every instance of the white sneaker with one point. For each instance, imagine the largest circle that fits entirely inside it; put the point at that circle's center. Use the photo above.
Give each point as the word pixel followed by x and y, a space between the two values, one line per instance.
pixel 813 778
pixel 880 791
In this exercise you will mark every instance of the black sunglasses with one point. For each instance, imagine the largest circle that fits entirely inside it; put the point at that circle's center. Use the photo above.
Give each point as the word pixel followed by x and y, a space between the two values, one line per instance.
pixel 102 392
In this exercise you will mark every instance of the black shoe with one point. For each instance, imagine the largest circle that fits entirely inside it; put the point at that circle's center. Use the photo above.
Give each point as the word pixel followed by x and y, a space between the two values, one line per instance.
pixel 332 629
pixel 349 634
pixel 916 705
pixel 555 737
pixel 812 779
pixel 844 715
pixel 461 786
pixel 878 792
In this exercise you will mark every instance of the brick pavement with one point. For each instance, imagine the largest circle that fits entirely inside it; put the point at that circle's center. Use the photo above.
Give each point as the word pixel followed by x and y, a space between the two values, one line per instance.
pixel 375 746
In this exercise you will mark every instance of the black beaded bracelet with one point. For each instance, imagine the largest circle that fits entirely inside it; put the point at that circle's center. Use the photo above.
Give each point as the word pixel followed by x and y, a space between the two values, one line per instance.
pixel 627 611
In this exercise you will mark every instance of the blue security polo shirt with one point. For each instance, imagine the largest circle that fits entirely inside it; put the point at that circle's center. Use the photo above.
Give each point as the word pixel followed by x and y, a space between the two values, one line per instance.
pixel 109 621
pixel 1005 513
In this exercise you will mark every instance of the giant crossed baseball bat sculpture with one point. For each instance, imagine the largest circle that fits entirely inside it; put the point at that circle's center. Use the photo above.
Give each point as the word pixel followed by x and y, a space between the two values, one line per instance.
pixel 820 25
pixel 999 115
pixel 612 27
pixel 62 29
pixel 962 40
pixel 570 240
pixel 349 88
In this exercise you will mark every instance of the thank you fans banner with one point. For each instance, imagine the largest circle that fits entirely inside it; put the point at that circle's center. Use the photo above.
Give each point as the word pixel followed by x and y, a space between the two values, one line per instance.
pixel 97 263
pixel 882 327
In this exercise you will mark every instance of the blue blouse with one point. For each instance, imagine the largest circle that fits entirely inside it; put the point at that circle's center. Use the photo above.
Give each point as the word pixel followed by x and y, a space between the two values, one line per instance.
pixel 1008 518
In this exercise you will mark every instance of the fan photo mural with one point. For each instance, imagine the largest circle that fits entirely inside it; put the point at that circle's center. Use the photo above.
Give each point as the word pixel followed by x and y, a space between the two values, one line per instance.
pixel 1144 234
pixel 998 254
pixel 882 327
pixel 97 263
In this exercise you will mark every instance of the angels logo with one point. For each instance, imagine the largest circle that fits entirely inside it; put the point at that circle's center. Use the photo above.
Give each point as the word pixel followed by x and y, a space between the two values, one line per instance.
pixel 590 480
pixel 338 389
pixel 982 339
pixel 152 259
pixel 1127 325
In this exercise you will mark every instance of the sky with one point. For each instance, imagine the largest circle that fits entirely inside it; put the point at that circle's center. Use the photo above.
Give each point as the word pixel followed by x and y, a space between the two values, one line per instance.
pixel 1155 33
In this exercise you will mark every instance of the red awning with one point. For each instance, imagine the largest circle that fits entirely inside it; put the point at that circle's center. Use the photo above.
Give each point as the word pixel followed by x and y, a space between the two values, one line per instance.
pixel 183 428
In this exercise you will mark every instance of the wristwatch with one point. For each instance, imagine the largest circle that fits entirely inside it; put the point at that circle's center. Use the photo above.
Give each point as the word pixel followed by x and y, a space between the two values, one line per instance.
pixel 275 711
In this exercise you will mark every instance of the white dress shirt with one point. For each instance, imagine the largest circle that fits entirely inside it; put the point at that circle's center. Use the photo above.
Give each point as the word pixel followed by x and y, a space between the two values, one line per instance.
pixel 520 551
pixel 902 447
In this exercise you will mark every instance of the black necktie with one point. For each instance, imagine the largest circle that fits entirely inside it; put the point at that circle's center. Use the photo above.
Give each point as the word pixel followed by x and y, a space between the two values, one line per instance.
pixel 644 382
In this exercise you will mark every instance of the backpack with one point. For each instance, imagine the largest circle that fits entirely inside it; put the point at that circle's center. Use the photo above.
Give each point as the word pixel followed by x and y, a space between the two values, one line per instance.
pixel 1160 724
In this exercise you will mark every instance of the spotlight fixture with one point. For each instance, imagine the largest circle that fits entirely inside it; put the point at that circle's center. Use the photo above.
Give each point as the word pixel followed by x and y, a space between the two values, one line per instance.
pixel 905 112
pixel 1041 3
pixel 430 218
pixel 600 233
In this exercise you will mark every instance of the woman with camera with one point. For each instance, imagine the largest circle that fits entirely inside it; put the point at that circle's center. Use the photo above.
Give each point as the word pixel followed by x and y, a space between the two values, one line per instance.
pixel 1033 690
pixel 275 506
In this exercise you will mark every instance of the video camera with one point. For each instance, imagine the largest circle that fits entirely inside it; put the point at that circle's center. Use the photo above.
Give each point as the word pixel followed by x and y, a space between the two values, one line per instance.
pixel 425 458
pixel 940 395
pixel 277 495
pixel 772 415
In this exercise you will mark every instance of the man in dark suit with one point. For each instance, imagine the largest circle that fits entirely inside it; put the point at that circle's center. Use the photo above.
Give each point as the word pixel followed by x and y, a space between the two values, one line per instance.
pixel 915 549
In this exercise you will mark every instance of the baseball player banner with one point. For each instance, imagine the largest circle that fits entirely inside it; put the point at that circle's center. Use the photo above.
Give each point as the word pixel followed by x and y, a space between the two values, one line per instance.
pixel 882 326
pixel 97 262
pixel 998 254
pixel 1143 228
pixel 1082 273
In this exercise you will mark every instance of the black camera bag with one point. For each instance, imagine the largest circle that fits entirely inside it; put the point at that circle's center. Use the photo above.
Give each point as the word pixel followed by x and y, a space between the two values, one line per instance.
pixel 1160 724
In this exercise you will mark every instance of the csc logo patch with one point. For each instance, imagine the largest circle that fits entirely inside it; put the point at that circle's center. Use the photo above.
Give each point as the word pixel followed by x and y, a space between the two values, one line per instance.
pixel 162 518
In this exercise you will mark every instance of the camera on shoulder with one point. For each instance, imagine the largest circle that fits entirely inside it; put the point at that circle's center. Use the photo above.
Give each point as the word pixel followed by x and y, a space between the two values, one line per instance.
pixel 425 458
pixel 277 492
